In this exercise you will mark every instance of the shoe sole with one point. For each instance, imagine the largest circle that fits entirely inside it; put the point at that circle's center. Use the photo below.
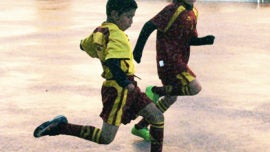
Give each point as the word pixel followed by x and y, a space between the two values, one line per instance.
pixel 46 125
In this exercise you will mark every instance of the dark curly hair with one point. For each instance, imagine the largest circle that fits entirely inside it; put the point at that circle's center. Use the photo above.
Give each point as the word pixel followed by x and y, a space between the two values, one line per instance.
pixel 120 6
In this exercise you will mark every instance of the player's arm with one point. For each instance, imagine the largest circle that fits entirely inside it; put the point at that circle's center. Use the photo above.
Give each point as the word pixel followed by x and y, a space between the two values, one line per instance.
pixel 146 31
pixel 207 40
pixel 118 75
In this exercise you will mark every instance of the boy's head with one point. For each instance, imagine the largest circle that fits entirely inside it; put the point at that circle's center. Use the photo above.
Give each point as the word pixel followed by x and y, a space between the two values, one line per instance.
pixel 121 12
pixel 190 2
pixel 120 6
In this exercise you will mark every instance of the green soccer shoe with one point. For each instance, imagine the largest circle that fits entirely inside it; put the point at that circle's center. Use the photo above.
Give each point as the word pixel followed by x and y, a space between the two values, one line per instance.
pixel 143 133
pixel 150 94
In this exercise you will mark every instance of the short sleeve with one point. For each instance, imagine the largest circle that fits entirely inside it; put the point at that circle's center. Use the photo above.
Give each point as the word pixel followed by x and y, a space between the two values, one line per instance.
pixel 118 46
pixel 162 19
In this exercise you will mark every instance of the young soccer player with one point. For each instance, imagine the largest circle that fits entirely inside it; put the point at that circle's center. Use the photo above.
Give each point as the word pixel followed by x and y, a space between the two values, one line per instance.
pixel 176 32
pixel 122 99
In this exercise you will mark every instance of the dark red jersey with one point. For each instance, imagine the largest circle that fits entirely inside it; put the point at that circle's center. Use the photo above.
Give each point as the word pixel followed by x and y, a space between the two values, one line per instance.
pixel 176 26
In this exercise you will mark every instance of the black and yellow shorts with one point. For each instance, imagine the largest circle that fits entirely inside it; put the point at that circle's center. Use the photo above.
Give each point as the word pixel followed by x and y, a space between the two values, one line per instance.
pixel 183 78
pixel 119 106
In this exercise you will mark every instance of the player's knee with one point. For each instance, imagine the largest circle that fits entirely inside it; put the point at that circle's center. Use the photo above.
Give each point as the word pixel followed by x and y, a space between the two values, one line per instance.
pixel 195 88
pixel 106 140
pixel 152 114
pixel 158 117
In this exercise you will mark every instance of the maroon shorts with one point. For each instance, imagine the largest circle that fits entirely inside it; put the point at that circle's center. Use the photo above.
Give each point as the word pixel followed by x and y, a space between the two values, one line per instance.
pixel 120 106
pixel 172 78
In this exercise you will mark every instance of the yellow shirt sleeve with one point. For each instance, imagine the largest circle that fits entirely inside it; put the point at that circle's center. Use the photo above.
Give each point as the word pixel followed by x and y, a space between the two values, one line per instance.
pixel 118 45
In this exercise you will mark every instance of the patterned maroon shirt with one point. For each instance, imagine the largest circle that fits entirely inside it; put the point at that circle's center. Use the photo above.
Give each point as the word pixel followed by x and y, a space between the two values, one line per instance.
pixel 172 46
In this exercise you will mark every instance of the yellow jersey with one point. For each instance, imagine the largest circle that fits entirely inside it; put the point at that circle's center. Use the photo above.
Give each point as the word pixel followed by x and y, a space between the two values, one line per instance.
pixel 109 42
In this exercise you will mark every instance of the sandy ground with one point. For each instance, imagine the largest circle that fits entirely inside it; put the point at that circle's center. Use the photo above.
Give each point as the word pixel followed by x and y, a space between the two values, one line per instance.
pixel 43 74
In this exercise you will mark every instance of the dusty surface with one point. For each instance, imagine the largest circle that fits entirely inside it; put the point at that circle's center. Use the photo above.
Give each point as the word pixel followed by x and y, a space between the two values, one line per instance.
pixel 43 74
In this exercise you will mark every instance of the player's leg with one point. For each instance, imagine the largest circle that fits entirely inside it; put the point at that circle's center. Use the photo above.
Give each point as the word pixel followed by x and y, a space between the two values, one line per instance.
pixel 164 103
pixel 184 84
pixel 140 129
pixel 156 120
pixel 108 133
pixel 60 126
pixel 194 87
pixel 104 136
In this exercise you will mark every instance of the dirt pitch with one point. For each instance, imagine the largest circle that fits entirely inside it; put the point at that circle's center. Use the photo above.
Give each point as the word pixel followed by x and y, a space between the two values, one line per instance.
pixel 43 74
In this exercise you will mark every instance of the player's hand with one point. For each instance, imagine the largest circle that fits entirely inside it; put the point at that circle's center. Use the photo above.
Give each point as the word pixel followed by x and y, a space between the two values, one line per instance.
pixel 209 39
pixel 137 56
pixel 130 87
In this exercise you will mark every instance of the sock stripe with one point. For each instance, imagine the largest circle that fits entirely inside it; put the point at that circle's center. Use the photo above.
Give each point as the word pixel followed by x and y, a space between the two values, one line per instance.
pixel 90 133
pixel 160 107
pixel 158 125
pixel 163 105
pixel 85 132
pixel 96 135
